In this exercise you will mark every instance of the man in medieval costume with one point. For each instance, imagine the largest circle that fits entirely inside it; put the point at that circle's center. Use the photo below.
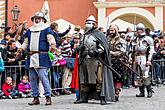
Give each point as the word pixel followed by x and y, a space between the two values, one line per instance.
pixel 95 78
pixel 117 50
pixel 144 49
pixel 38 41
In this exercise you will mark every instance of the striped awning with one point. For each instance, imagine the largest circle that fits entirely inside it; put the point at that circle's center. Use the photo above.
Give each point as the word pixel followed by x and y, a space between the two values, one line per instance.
pixel 2 11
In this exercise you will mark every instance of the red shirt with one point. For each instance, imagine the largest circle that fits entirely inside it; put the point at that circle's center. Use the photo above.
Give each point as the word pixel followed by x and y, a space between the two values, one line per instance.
pixel 6 88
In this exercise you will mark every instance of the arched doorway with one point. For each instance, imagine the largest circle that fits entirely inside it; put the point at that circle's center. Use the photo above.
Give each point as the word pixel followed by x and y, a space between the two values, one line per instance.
pixel 133 16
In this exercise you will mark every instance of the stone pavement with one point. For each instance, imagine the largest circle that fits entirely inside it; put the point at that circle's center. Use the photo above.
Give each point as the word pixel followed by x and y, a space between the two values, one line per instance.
pixel 128 101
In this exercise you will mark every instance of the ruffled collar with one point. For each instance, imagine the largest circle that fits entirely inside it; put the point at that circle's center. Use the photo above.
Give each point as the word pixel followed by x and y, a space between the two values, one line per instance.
pixel 39 27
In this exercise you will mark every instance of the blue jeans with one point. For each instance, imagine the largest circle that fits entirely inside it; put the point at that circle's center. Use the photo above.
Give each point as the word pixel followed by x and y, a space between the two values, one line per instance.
pixel 42 74
pixel 14 93
pixel 56 77
pixel 157 71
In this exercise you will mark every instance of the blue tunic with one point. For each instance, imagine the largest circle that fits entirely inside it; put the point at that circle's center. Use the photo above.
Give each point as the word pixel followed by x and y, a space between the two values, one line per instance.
pixel 37 41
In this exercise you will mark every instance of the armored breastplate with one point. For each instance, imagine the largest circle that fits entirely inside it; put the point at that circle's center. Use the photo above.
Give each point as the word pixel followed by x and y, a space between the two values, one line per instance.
pixel 141 45
pixel 90 42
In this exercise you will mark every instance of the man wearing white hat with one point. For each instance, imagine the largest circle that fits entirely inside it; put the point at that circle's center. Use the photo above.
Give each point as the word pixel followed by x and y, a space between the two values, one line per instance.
pixel 38 41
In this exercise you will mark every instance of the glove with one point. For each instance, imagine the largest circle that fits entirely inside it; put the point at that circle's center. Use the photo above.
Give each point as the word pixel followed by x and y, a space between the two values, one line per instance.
pixel 93 53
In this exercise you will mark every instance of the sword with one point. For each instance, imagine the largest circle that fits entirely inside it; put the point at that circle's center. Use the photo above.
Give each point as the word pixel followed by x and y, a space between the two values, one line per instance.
pixel 130 68
pixel 104 63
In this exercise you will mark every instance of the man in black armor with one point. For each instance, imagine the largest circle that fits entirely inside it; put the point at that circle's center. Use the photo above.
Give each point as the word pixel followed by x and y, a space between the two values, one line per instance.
pixel 95 79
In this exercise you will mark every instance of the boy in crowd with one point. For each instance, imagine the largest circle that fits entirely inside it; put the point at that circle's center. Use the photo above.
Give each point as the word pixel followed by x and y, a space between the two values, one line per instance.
pixel 7 89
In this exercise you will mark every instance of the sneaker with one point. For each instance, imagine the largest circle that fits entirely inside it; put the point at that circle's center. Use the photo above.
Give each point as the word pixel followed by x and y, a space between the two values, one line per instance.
pixel 159 81
pixel 56 93
pixel 163 83
pixel 4 97
pixel 24 96
pixel 15 97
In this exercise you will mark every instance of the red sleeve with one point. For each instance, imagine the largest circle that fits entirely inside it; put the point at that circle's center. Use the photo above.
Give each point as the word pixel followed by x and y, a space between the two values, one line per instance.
pixel 4 89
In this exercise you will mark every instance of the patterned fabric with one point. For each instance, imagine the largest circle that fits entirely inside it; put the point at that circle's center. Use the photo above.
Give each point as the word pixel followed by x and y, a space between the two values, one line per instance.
pixel 66 49
pixel 120 69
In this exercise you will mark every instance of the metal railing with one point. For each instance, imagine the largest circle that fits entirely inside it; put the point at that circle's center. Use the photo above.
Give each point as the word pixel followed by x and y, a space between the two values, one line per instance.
pixel 20 71
pixel 158 71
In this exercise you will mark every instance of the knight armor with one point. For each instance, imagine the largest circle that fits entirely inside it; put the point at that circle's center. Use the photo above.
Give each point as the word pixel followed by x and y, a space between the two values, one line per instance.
pixel 144 49
pixel 90 44
pixel 92 73
pixel 145 45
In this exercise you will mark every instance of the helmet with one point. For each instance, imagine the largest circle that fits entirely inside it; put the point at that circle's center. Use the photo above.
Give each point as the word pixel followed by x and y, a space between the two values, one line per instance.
pixel 39 15
pixel 90 23
pixel 140 26
pixel 91 18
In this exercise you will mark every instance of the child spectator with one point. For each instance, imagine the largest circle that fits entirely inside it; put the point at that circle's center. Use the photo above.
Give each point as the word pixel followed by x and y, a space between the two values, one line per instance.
pixel 67 53
pixel 76 39
pixel 7 89
pixel 59 61
pixel 24 88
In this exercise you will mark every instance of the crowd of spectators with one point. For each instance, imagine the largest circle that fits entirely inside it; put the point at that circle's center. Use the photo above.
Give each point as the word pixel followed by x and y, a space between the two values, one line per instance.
pixel 14 81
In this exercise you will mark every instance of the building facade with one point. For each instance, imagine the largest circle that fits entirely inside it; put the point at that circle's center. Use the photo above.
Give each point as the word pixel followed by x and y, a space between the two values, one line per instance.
pixel 149 12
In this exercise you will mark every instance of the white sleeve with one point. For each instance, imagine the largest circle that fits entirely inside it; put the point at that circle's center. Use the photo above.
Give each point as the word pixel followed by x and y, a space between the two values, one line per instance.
pixel 25 44
pixel 51 39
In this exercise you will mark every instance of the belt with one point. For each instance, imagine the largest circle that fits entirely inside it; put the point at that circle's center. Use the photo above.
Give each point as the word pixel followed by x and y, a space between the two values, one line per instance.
pixel 34 52
pixel 140 53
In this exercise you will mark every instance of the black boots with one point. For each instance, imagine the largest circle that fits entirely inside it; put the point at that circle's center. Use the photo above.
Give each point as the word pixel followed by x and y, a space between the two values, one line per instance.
pixel 83 98
pixel 35 101
pixel 142 94
pixel 102 100
pixel 117 92
pixel 149 91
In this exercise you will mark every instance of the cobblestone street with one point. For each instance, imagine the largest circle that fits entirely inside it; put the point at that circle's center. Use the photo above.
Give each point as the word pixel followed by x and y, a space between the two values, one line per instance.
pixel 128 101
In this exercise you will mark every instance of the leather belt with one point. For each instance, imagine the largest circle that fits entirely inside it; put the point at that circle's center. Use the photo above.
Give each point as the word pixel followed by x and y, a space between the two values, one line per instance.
pixel 140 53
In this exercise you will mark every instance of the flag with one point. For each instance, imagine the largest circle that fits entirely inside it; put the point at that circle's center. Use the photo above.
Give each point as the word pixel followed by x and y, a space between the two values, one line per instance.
pixel 45 10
